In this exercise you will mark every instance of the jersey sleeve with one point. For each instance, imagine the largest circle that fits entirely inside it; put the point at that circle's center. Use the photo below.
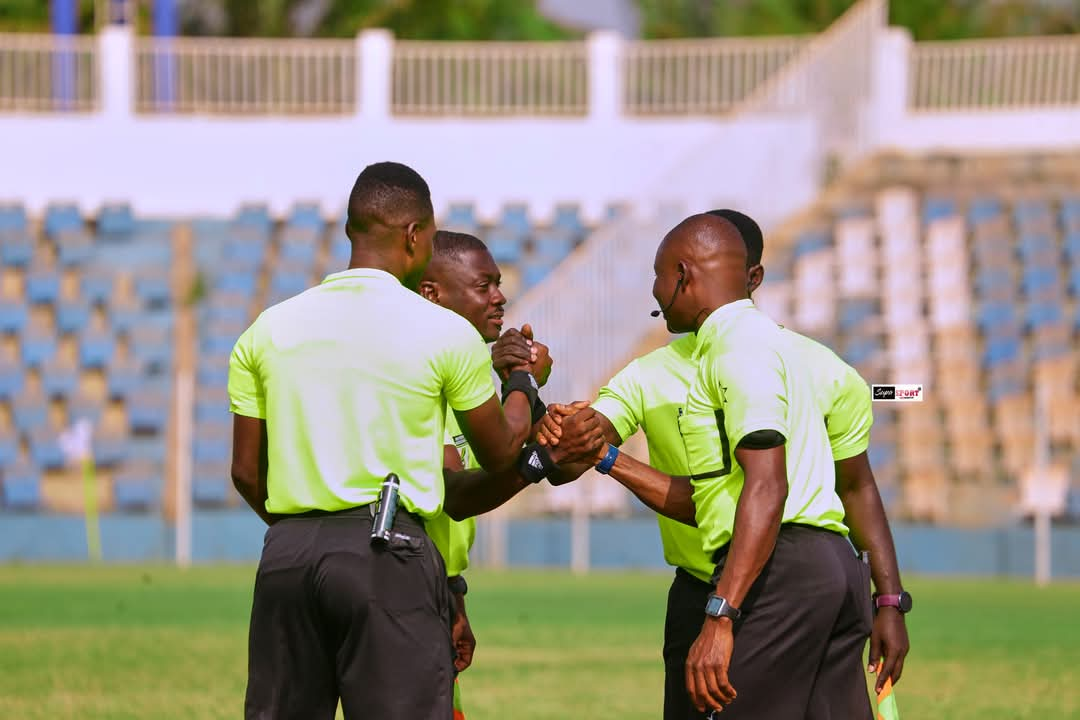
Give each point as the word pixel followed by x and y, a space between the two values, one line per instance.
pixel 620 401
pixel 464 368
pixel 246 394
pixel 734 395
pixel 850 417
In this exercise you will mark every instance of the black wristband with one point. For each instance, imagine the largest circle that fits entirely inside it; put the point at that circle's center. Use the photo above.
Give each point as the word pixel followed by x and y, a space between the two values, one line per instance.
pixel 535 463
pixel 539 410
pixel 457 585
pixel 521 381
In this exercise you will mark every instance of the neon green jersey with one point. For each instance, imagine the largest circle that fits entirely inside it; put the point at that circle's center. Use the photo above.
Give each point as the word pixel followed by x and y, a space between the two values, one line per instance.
pixel 454 539
pixel 354 378
pixel 752 376
pixel 650 393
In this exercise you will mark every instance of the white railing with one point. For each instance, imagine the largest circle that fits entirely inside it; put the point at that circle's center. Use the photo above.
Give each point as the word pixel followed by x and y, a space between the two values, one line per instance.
pixel 831 80
pixel 245 77
pixel 48 73
pixel 1007 74
pixel 490 78
pixel 700 77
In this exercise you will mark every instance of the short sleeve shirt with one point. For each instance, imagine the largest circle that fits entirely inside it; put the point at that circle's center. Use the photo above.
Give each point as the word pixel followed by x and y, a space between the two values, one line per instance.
pixel 452 538
pixel 353 378
pixel 750 378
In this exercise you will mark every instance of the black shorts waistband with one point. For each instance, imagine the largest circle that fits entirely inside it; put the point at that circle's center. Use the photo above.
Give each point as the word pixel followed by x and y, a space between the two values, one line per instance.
pixel 722 551
pixel 403 518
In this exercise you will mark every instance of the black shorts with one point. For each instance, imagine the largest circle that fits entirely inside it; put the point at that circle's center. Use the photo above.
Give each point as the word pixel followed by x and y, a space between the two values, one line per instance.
pixel 334 617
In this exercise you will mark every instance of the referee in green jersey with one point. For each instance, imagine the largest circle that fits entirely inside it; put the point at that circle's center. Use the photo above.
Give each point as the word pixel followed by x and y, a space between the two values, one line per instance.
pixel 650 393
pixel 332 390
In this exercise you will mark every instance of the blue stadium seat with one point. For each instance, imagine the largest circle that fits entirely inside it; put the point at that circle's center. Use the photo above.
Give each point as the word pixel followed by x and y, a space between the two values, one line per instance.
pixel 937 208
pixel 36 347
pixel 515 217
pixel 9 450
pixel 555 245
pixel 810 242
pixel 1001 349
pixel 60 217
pixel 59 379
pixel 881 454
pixel 1004 386
pixel 11 379
pixel 568 217
pixel 42 286
pixel 1074 280
pixel 1072 246
pixel 96 285
pixel 45 450
pixel 74 248
pixel 854 313
pixel 125 320
pixel 1048 345
pixel 213 371
pixel 288 282
pixel 1044 313
pixel 12 217
pixel 306 215
pixel 461 217
pixel 153 287
pixel 13 316
pixel 1039 278
pixel 84 407
pixel 533 272
pixel 247 254
pixel 1031 211
pixel 210 485
pixel 110 449
pixel 96 349
pixel 219 338
pixel 123 379
pixel 982 209
pixel 151 346
pixel 340 253
pixel 298 252
pixel 860 349
pixel 1039 246
pixel 16 249
pixel 506 246
pixel 148 410
pixel 29 412
pixel 225 309
pixel 145 448
pixel 115 221
pixel 137 489
pixel 235 279
pixel 21 488
pixel 212 443
pixel 254 216
pixel 216 411
pixel 72 316
pixel 995 314
pixel 994 277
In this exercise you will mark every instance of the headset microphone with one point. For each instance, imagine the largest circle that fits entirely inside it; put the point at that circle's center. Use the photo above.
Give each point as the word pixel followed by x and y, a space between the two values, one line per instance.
pixel 657 313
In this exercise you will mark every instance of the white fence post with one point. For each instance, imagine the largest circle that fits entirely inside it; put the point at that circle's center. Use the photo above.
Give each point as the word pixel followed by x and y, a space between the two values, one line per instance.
pixel 375 52
pixel 605 54
pixel 888 102
pixel 116 55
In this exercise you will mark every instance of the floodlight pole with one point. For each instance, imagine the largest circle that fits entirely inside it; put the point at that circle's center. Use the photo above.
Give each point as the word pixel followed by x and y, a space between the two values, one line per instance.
pixel 184 415
pixel 1042 464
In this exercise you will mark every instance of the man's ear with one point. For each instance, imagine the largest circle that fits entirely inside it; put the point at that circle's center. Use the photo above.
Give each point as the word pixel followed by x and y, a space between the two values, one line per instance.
pixel 754 276
pixel 429 289
pixel 411 232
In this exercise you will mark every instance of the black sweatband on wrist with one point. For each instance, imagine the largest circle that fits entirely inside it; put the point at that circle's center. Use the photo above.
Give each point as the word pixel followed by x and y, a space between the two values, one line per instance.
pixel 535 463
pixel 457 585
pixel 521 381
pixel 762 440
pixel 539 410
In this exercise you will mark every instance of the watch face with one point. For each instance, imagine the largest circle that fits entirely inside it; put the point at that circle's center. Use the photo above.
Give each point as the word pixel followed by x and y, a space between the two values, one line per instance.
pixel 905 602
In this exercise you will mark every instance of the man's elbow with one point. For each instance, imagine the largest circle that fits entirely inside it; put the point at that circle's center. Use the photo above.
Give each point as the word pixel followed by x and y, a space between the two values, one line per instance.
pixel 245 479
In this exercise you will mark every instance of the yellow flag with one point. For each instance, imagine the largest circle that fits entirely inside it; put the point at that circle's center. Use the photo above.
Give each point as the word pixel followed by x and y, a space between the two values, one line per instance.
pixel 886 700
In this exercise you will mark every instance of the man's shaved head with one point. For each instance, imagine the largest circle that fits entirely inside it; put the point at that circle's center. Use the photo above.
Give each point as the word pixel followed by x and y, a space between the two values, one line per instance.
pixel 390 195
pixel 750 231
pixel 700 265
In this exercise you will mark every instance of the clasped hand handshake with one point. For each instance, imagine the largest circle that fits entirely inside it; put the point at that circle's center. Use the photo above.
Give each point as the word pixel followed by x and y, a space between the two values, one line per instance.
pixel 572 433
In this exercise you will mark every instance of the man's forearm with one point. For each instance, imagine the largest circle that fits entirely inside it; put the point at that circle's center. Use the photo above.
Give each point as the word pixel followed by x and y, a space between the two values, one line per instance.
pixel 865 516
pixel 474 492
pixel 669 496
pixel 255 496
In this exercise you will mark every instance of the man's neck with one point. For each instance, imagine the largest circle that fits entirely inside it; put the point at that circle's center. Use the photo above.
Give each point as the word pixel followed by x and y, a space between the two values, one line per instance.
pixel 715 303
pixel 377 261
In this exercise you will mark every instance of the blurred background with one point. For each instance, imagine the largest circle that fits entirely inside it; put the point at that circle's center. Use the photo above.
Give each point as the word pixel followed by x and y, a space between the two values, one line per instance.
pixel 170 168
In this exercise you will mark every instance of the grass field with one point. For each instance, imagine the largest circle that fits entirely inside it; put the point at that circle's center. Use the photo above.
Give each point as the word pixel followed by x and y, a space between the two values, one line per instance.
pixel 155 642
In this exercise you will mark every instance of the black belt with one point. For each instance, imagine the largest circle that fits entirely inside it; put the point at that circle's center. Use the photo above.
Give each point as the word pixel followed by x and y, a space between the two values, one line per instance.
pixel 363 512
pixel 721 552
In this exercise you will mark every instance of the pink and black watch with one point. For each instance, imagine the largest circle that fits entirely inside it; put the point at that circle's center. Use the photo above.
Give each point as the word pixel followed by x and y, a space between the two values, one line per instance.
pixel 901 602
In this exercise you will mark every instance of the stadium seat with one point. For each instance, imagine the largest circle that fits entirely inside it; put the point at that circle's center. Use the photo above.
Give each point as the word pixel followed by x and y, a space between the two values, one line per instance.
pixel 29 411
pixel 137 489
pixel 153 286
pixel 937 208
pixel 59 378
pixel 461 217
pixel 212 405
pixel 11 379
pixel 989 278
pixel 21 488
pixel 42 286
pixel 12 217
pixel 45 450
pixel 298 249
pixel 148 410
pixel 568 217
pixel 60 217
pixel 1044 313
pixel 245 254
pixel 151 346
pixel 811 242
pixel 9 450
pixel 96 349
pixel 13 316
pixel 1039 278
pixel 554 244
pixel 288 282
pixel 1072 246
pixel 506 246
pixel 1037 244
pixel 225 308
pixel 36 346
pixel 210 485
pixel 110 449
pixel 533 273
pixel 982 209
pixel 994 314
pixel 307 216
pixel 855 312
pixel 219 336
pixel 74 248
pixel 84 407
pixel 96 285
pixel 115 221
pixel 212 443
pixel 1074 280
pixel 515 217
pixel 72 315
pixel 16 249
pixel 254 216
pixel 1032 211
pixel 123 378
pixel 340 254
pixel 234 278
pixel 213 371
pixel 125 320
pixel 860 349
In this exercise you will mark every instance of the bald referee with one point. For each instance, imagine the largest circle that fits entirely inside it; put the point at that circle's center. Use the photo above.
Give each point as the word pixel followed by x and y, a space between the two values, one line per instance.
pixel 332 390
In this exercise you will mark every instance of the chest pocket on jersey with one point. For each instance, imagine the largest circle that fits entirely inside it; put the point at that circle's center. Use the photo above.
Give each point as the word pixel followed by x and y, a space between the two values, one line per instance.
pixel 708 450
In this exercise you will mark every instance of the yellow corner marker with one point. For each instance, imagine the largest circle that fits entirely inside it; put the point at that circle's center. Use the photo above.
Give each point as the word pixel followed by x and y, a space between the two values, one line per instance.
pixel 886 700
pixel 459 712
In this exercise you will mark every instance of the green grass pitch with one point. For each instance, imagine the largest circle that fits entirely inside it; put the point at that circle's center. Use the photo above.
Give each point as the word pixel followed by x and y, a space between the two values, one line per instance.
pixel 157 642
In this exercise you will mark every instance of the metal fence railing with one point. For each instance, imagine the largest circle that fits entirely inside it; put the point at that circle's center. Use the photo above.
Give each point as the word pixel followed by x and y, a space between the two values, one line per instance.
pixel 1008 74
pixel 700 77
pixel 491 78
pixel 245 77
pixel 48 73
